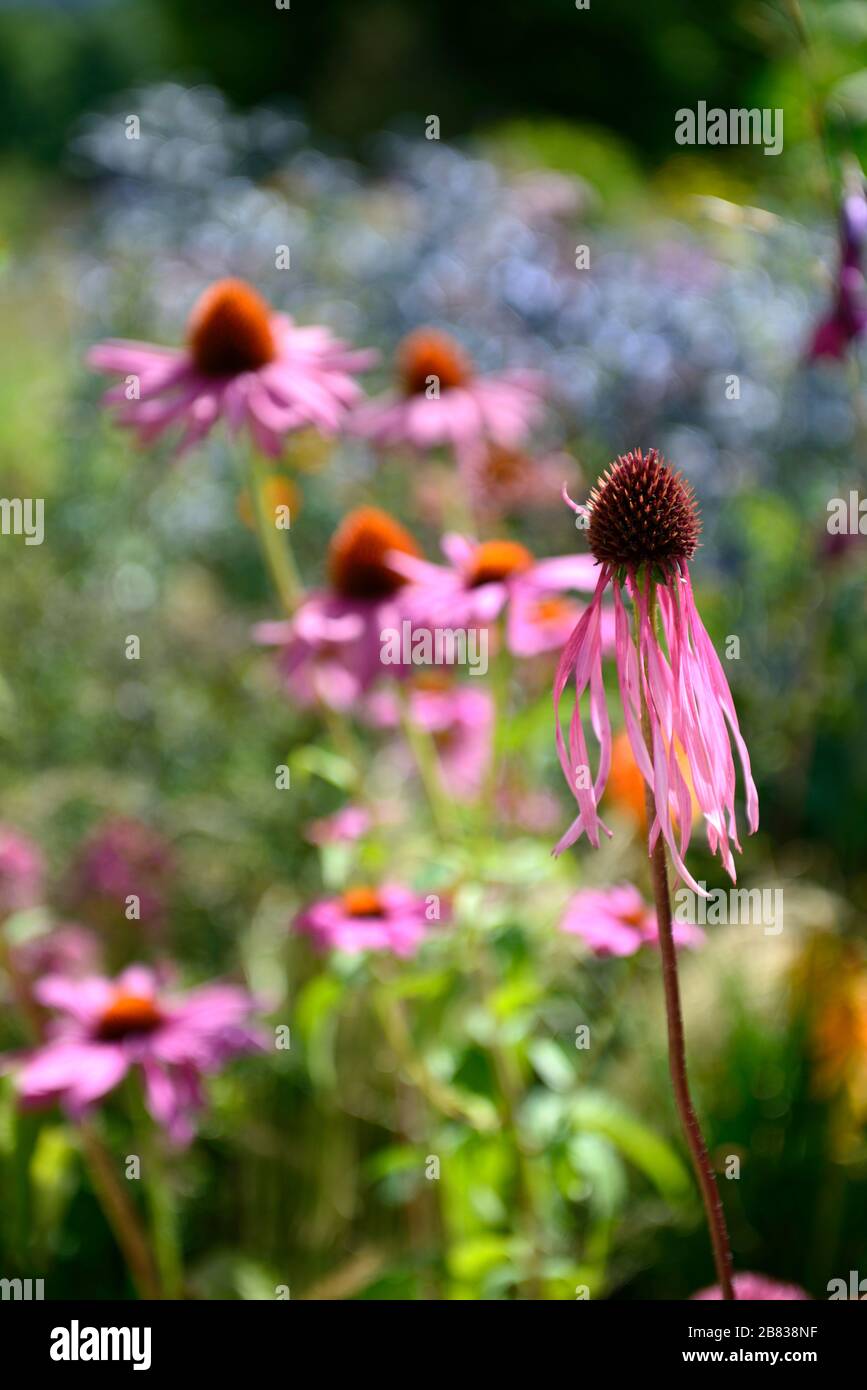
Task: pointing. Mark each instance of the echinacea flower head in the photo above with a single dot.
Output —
(643, 531)
(442, 401)
(483, 577)
(755, 1288)
(389, 918)
(102, 1029)
(21, 870)
(618, 922)
(330, 649)
(243, 363)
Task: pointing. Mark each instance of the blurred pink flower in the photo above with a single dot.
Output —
(330, 649)
(503, 481)
(643, 517)
(66, 950)
(617, 922)
(21, 870)
(348, 824)
(107, 1027)
(481, 579)
(528, 808)
(242, 363)
(541, 621)
(442, 401)
(755, 1288)
(123, 858)
(459, 718)
(389, 918)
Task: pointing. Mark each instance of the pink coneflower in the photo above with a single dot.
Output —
(243, 363)
(105, 1028)
(756, 1288)
(330, 650)
(65, 950)
(459, 719)
(388, 918)
(540, 621)
(502, 480)
(643, 531)
(618, 922)
(443, 401)
(481, 579)
(123, 858)
(21, 870)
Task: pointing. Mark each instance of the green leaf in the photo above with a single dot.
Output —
(311, 760)
(598, 1114)
(316, 1020)
(551, 1064)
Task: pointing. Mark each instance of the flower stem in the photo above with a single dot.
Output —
(274, 543)
(676, 1040)
(677, 1066)
(424, 752)
(120, 1214)
(442, 1097)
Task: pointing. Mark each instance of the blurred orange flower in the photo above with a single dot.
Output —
(278, 492)
(625, 788)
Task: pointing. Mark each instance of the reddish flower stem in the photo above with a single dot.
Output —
(120, 1214)
(676, 1040)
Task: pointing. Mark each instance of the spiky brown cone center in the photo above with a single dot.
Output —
(642, 512)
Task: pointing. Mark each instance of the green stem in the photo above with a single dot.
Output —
(120, 1214)
(424, 752)
(796, 14)
(439, 1094)
(274, 542)
(164, 1225)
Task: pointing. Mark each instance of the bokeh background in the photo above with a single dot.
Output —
(307, 128)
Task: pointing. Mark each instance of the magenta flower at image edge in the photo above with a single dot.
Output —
(642, 514)
(243, 363)
(388, 918)
(21, 871)
(618, 922)
(755, 1288)
(847, 319)
(105, 1028)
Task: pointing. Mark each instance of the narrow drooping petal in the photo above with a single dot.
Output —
(678, 710)
(583, 655)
